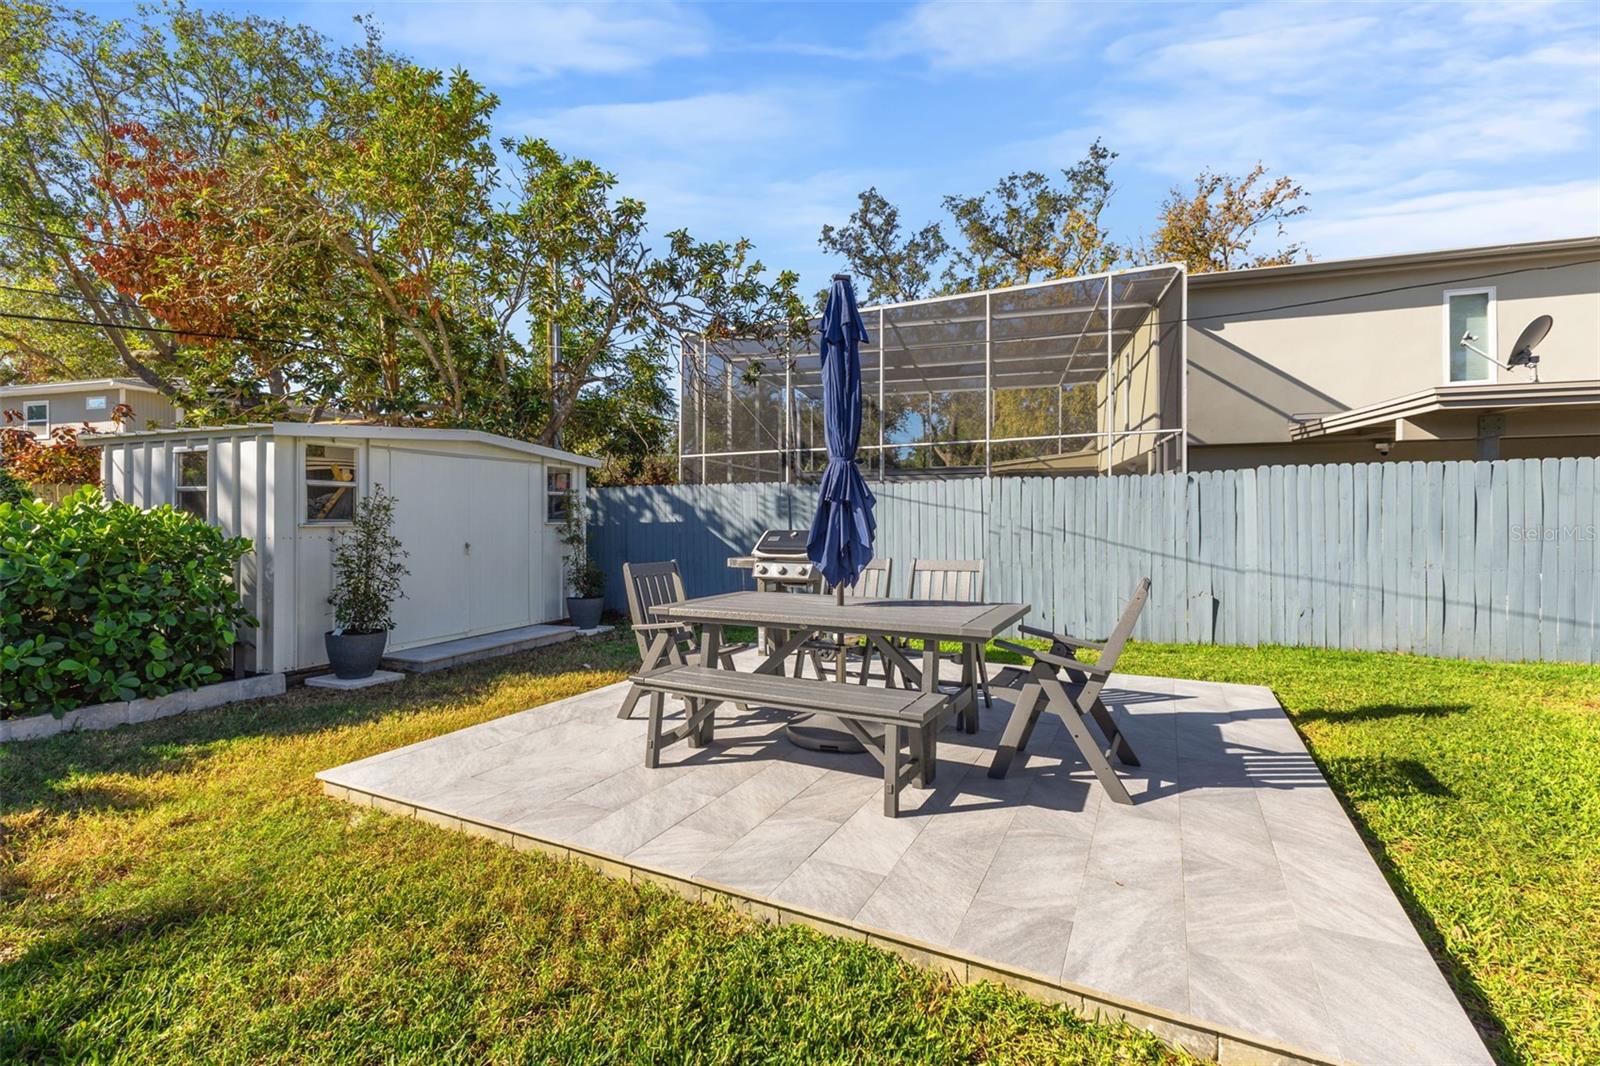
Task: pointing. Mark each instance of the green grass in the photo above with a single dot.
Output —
(181, 891)
(1477, 786)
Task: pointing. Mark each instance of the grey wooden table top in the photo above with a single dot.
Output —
(892, 617)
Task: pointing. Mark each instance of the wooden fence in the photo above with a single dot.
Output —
(1469, 560)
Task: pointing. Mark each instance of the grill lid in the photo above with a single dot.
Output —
(782, 544)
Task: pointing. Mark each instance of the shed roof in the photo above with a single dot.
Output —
(333, 430)
(75, 386)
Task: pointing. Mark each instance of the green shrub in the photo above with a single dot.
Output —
(12, 488)
(104, 601)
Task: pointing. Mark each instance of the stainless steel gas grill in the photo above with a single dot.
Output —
(778, 562)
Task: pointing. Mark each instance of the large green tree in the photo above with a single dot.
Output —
(1224, 223)
(895, 267)
(261, 223)
(1031, 227)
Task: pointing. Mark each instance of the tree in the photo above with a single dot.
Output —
(265, 226)
(1029, 228)
(895, 268)
(69, 82)
(1216, 228)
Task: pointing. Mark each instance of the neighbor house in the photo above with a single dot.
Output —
(1396, 357)
(1154, 369)
(480, 516)
(46, 406)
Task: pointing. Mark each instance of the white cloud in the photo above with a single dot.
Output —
(1456, 219)
(686, 126)
(984, 37)
(510, 43)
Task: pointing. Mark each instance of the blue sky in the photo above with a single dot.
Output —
(1413, 126)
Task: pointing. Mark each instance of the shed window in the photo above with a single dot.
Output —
(557, 484)
(190, 492)
(94, 403)
(1469, 335)
(36, 417)
(330, 483)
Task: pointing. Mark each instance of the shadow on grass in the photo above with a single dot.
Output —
(1353, 780)
(1379, 711)
(38, 774)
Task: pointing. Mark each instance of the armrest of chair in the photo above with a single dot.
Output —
(1062, 638)
(1063, 662)
(654, 627)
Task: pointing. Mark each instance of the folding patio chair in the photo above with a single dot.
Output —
(650, 587)
(1069, 688)
(873, 583)
(957, 580)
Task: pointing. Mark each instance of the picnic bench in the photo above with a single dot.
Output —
(906, 715)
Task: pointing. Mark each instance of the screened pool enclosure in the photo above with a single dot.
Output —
(1078, 376)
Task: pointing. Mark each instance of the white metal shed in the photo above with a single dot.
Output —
(479, 513)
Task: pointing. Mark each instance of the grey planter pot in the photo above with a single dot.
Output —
(585, 613)
(355, 655)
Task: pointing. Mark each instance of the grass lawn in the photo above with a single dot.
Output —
(181, 889)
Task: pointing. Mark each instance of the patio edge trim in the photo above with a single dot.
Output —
(1207, 1040)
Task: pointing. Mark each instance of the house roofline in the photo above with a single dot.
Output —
(336, 430)
(1378, 263)
(1494, 397)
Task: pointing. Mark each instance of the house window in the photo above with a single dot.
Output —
(1470, 353)
(36, 417)
(330, 483)
(190, 487)
(94, 403)
(557, 484)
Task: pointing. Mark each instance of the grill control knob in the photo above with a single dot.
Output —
(782, 570)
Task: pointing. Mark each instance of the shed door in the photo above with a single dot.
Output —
(500, 557)
(433, 508)
(466, 522)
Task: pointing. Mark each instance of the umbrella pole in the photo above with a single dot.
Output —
(838, 598)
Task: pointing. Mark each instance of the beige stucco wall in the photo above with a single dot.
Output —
(151, 410)
(1251, 371)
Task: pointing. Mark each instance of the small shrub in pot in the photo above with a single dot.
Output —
(367, 569)
(585, 577)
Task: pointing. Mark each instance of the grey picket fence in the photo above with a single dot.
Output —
(1493, 560)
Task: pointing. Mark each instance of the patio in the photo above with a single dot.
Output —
(1232, 909)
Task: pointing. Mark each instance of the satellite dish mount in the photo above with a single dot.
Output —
(1522, 352)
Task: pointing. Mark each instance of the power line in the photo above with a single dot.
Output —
(242, 339)
(19, 227)
(1387, 291)
(44, 292)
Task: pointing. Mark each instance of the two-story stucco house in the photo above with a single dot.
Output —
(47, 405)
(1396, 357)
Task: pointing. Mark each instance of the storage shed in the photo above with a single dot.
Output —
(480, 515)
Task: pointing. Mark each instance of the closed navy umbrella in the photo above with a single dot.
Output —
(843, 529)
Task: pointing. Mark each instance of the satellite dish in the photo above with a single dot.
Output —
(1522, 352)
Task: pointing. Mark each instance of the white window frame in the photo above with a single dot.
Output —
(101, 402)
(572, 483)
(354, 484)
(1493, 347)
(29, 423)
(179, 488)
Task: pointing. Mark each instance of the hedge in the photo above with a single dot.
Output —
(104, 601)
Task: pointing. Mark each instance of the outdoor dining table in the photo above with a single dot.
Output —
(881, 621)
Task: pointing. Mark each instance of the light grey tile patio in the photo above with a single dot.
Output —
(1235, 890)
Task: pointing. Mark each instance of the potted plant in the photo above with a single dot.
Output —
(585, 578)
(366, 583)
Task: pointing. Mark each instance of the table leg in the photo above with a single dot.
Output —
(710, 656)
(969, 684)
